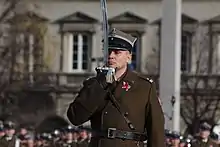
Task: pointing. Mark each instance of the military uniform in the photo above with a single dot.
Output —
(83, 143)
(206, 141)
(134, 93)
(5, 142)
(201, 143)
(9, 139)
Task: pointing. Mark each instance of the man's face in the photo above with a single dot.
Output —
(69, 136)
(175, 142)
(83, 134)
(204, 133)
(10, 132)
(118, 58)
(23, 131)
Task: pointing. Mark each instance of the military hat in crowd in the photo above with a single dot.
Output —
(172, 134)
(56, 133)
(168, 133)
(205, 126)
(120, 40)
(69, 129)
(175, 135)
(9, 125)
(185, 139)
(45, 136)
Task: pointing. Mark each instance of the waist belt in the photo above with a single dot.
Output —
(113, 133)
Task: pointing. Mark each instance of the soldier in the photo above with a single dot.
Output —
(69, 141)
(168, 135)
(38, 141)
(203, 139)
(122, 113)
(175, 139)
(83, 138)
(56, 138)
(9, 140)
(27, 140)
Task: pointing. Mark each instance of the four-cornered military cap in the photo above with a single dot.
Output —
(9, 125)
(175, 135)
(120, 40)
(205, 126)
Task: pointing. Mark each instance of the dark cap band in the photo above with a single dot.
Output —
(117, 43)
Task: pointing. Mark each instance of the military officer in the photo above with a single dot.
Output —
(122, 113)
(203, 139)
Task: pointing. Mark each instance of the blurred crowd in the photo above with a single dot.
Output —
(70, 136)
(11, 136)
(207, 136)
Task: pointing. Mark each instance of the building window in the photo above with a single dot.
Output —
(135, 63)
(186, 51)
(81, 48)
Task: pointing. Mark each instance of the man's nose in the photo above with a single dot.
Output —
(111, 53)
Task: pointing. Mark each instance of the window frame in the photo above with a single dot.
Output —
(188, 50)
(89, 51)
(138, 43)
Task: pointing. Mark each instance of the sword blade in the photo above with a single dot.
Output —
(105, 30)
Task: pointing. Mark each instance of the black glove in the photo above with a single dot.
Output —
(100, 77)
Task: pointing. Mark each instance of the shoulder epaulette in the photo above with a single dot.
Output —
(145, 78)
(88, 80)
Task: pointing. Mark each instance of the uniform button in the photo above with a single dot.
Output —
(126, 114)
(106, 112)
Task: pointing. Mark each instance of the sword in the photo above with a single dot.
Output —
(105, 29)
(108, 71)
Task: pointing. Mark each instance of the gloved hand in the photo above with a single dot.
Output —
(100, 77)
(105, 77)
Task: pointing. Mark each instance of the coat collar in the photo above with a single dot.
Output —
(129, 77)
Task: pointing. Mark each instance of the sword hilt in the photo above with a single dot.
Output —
(109, 73)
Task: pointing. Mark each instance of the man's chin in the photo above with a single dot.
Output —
(112, 66)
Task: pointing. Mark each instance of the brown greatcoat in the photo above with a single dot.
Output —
(139, 101)
(7, 143)
(199, 143)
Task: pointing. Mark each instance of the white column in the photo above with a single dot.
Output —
(80, 52)
(170, 60)
(218, 54)
(70, 53)
(67, 52)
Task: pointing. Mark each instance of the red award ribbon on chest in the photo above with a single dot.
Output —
(126, 86)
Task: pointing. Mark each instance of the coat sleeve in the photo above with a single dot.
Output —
(88, 100)
(154, 120)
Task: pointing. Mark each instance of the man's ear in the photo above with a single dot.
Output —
(129, 57)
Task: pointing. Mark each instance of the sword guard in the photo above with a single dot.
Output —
(109, 73)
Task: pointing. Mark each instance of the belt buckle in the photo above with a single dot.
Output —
(111, 133)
